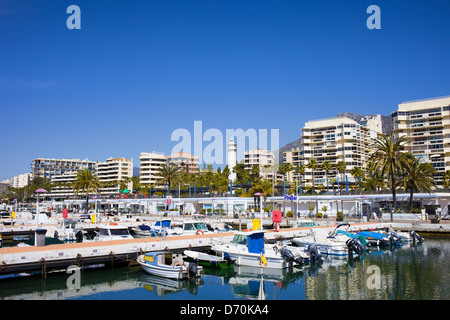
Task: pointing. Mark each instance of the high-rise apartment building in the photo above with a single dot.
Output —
(47, 168)
(335, 140)
(426, 126)
(264, 159)
(149, 165)
(185, 162)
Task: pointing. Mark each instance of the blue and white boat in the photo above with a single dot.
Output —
(248, 249)
(168, 265)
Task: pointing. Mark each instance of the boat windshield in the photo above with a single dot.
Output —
(195, 226)
(240, 239)
(119, 232)
(306, 224)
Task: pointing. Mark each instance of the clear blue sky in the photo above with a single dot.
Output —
(137, 70)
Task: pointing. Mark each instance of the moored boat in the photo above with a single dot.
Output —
(168, 265)
(248, 249)
(209, 260)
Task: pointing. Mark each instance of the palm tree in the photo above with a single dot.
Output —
(358, 174)
(86, 181)
(446, 179)
(300, 171)
(417, 176)
(312, 164)
(167, 175)
(327, 166)
(390, 160)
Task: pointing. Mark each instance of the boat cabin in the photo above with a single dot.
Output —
(253, 240)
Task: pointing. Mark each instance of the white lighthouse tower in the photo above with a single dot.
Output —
(231, 158)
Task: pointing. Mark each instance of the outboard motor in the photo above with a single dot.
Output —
(79, 236)
(395, 239)
(415, 236)
(354, 245)
(192, 269)
(289, 257)
(314, 254)
(228, 259)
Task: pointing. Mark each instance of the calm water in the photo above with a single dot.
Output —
(411, 272)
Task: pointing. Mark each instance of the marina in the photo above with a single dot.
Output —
(406, 273)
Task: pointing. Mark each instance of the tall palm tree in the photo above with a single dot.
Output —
(313, 165)
(300, 171)
(358, 174)
(327, 166)
(390, 159)
(417, 177)
(87, 182)
(167, 174)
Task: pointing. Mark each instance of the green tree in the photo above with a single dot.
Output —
(417, 177)
(358, 174)
(168, 174)
(327, 166)
(390, 159)
(87, 182)
(313, 165)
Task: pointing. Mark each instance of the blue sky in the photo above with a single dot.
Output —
(138, 70)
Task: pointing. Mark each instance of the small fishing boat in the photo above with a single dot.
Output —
(169, 265)
(209, 260)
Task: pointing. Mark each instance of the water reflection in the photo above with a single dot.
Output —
(410, 272)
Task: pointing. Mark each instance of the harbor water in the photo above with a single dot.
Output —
(411, 272)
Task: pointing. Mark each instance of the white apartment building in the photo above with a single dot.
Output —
(149, 165)
(263, 158)
(426, 126)
(114, 170)
(185, 161)
(334, 140)
(294, 157)
(22, 180)
(47, 168)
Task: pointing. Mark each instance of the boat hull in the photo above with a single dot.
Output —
(331, 249)
(177, 272)
(251, 259)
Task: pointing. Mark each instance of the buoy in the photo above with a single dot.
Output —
(199, 232)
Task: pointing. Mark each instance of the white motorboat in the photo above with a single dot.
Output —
(144, 230)
(248, 249)
(168, 265)
(112, 231)
(67, 231)
(328, 244)
(190, 227)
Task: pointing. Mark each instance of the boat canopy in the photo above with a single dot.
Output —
(144, 227)
(163, 223)
(255, 242)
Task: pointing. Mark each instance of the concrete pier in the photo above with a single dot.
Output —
(46, 258)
